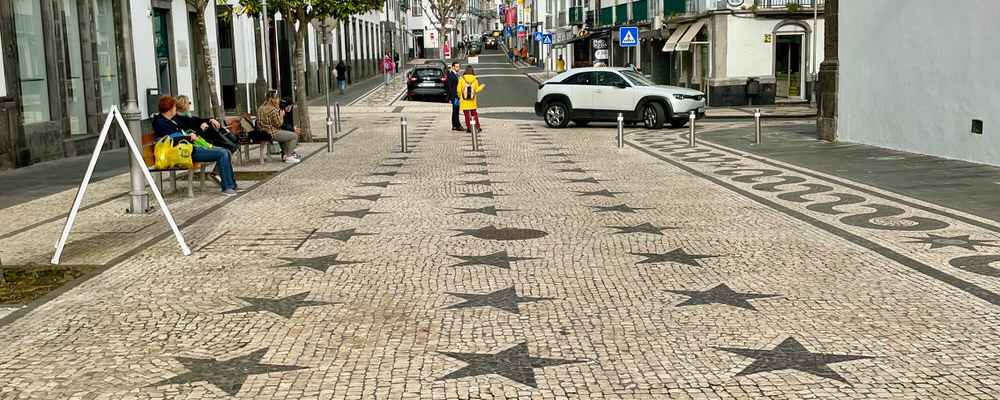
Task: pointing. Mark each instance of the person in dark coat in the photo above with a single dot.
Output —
(166, 123)
(341, 76)
(451, 85)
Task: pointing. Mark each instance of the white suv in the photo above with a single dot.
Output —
(600, 93)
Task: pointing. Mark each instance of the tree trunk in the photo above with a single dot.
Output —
(441, 40)
(302, 101)
(261, 84)
(201, 37)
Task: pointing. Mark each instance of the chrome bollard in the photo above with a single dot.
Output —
(692, 140)
(475, 137)
(621, 131)
(336, 113)
(402, 133)
(758, 136)
(329, 135)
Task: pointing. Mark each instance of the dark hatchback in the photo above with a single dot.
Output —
(426, 81)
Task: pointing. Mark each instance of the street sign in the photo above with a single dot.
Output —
(538, 36)
(547, 38)
(628, 36)
(506, 31)
(521, 28)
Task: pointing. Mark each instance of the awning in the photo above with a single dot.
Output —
(685, 43)
(675, 37)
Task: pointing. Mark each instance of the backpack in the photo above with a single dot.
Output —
(468, 93)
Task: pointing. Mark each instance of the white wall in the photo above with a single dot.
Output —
(746, 52)
(914, 74)
(144, 52)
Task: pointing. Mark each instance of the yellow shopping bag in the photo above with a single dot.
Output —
(164, 153)
(182, 155)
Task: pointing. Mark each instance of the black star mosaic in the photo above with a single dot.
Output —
(284, 307)
(499, 259)
(356, 214)
(370, 197)
(383, 185)
(562, 162)
(583, 180)
(601, 193)
(480, 172)
(342, 236)
(476, 164)
(503, 234)
(488, 210)
(483, 195)
(962, 241)
(790, 354)
(622, 208)
(486, 182)
(576, 170)
(675, 256)
(721, 294)
(514, 363)
(556, 155)
(503, 299)
(227, 375)
(392, 165)
(642, 228)
(321, 263)
(388, 173)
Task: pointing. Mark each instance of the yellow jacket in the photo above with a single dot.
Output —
(469, 80)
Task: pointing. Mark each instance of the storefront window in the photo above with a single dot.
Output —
(75, 101)
(31, 60)
(3, 74)
(107, 53)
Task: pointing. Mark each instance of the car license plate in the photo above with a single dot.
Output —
(426, 84)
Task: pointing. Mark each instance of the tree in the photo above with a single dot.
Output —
(205, 54)
(444, 11)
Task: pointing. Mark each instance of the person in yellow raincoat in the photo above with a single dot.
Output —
(468, 90)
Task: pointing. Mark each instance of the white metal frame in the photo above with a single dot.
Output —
(115, 115)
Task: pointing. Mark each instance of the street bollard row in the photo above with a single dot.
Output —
(758, 136)
(692, 139)
(621, 131)
(402, 133)
(475, 137)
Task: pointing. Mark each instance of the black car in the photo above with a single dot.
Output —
(426, 81)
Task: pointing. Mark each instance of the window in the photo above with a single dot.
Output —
(583, 78)
(609, 79)
(418, 8)
(31, 60)
(428, 73)
(107, 53)
(637, 79)
(77, 112)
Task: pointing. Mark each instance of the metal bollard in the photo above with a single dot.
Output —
(692, 140)
(621, 131)
(758, 137)
(402, 133)
(336, 112)
(475, 137)
(329, 135)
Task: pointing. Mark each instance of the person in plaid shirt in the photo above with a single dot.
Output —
(270, 118)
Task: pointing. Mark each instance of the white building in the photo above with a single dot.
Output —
(922, 86)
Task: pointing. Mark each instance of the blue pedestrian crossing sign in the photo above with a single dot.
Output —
(628, 36)
(538, 36)
(522, 28)
(547, 38)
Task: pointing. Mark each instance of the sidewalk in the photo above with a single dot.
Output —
(968, 187)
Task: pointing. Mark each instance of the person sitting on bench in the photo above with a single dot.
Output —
(165, 124)
(273, 117)
(209, 129)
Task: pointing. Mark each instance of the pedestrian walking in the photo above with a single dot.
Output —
(395, 60)
(341, 71)
(451, 85)
(560, 64)
(388, 68)
(468, 92)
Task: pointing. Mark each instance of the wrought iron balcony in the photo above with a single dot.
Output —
(789, 5)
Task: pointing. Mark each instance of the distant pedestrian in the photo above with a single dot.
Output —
(388, 68)
(451, 85)
(524, 54)
(395, 60)
(468, 92)
(560, 64)
(341, 71)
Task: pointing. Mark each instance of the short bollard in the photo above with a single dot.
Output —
(336, 113)
(692, 140)
(329, 135)
(402, 133)
(758, 136)
(621, 131)
(475, 137)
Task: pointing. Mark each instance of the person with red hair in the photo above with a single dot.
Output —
(165, 125)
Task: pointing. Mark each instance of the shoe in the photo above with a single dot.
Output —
(458, 128)
(229, 193)
(292, 160)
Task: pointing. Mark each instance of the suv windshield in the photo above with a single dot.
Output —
(637, 79)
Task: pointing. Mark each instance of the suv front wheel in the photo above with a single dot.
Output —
(556, 114)
(653, 116)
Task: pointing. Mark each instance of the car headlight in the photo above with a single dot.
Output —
(680, 96)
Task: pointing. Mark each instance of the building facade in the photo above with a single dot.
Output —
(924, 93)
(60, 71)
(716, 46)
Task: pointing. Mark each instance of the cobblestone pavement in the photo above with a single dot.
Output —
(549, 265)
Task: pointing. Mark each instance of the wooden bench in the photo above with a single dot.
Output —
(148, 144)
(234, 125)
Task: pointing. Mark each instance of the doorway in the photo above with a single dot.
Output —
(166, 80)
(788, 65)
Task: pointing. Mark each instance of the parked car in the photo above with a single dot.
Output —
(426, 81)
(491, 42)
(583, 95)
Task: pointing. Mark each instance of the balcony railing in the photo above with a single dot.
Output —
(790, 5)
